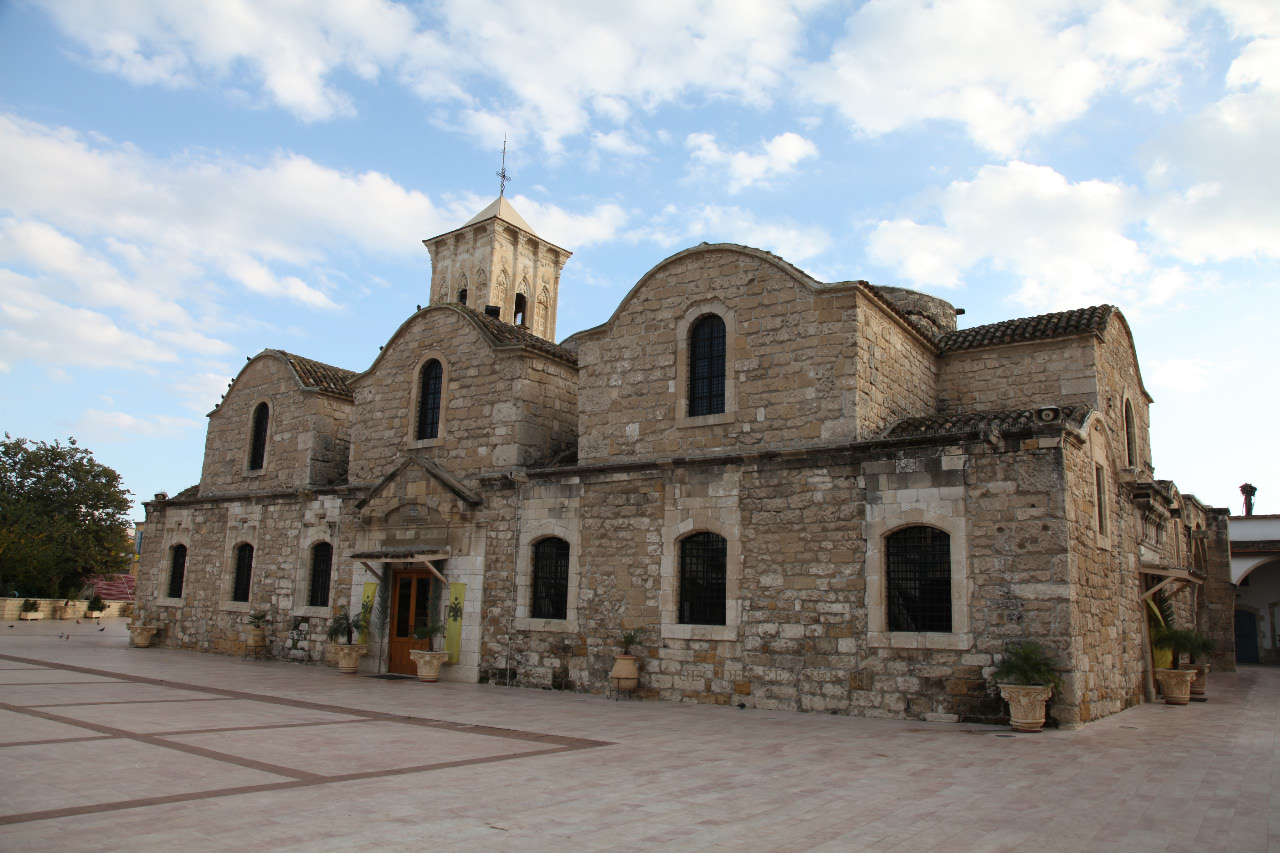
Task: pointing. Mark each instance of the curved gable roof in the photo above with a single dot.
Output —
(311, 375)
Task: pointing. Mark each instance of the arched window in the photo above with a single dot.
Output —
(244, 573)
(550, 579)
(918, 579)
(703, 573)
(462, 296)
(518, 315)
(258, 446)
(177, 570)
(706, 367)
(321, 568)
(1130, 436)
(430, 381)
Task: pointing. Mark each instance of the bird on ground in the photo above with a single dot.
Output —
(10, 626)
(77, 621)
(102, 629)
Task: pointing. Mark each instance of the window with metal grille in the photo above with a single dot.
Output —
(244, 573)
(429, 385)
(550, 579)
(177, 570)
(706, 366)
(258, 447)
(918, 579)
(702, 579)
(321, 567)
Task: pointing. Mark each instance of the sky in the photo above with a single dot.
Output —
(185, 184)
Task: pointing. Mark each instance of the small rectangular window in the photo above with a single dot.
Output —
(1100, 496)
(244, 573)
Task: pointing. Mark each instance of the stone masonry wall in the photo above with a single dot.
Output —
(1044, 373)
(897, 371)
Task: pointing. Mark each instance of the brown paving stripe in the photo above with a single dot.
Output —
(51, 683)
(121, 805)
(127, 702)
(55, 740)
(266, 726)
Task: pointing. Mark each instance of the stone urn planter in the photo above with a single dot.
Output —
(141, 635)
(625, 675)
(64, 611)
(30, 616)
(429, 663)
(1175, 684)
(257, 637)
(1026, 705)
(349, 656)
(1200, 681)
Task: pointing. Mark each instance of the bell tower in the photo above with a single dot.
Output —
(497, 260)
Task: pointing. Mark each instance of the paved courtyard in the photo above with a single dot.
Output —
(105, 747)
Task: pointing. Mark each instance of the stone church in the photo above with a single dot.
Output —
(818, 496)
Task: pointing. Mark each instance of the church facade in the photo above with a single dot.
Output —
(804, 495)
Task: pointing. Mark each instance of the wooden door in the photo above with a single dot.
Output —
(1246, 637)
(413, 605)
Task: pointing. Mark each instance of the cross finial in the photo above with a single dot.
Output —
(502, 173)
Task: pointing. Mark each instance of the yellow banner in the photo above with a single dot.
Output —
(366, 606)
(453, 620)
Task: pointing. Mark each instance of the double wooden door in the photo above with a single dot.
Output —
(413, 605)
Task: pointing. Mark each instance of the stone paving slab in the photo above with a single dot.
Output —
(267, 755)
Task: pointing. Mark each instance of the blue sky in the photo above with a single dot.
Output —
(185, 184)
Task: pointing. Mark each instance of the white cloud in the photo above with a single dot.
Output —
(1067, 243)
(716, 224)
(619, 144)
(1183, 377)
(100, 426)
(553, 223)
(1004, 70)
(779, 156)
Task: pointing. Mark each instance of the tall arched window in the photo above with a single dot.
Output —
(550, 579)
(258, 445)
(706, 366)
(703, 575)
(177, 570)
(321, 568)
(430, 381)
(1130, 435)
(918, 579)
(517, 316)
(244, 573)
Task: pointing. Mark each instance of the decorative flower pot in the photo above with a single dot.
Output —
(1200, 681)
(64, 611)
(625, 675)
(1026, 705)
(257, 637)
(1175, 684)
(30, 616)
(140, 635)
(349, 657)
(429, 663)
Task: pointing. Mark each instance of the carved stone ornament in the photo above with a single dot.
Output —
(1201, 680)
(140, 635)
(349, 657)
(1175, 684)
(429, 663)
(1026, 705)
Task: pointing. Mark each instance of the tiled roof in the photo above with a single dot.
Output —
(1254, 546)
(187, 493)
(1038, 328)
(1011, 420)
(321, 376)
(509, 334)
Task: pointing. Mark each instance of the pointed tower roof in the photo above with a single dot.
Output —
(502, 209)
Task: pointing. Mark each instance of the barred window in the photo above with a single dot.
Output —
(706, 366)
(321, 568)
(177, 570)
(550, 579)
(703, 573)
(244, 573)
(918, 579)
(258, 447)
(429, 386)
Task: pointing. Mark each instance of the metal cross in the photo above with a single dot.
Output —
(502, 173)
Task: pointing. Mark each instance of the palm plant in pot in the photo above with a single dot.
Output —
(427, 660)
(30, 610)
(625, 675)
(1175, 683)
(257, 629)
(1026, 676)
(344, 625)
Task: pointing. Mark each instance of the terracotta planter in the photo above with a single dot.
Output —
(1175, 684)
(625, 675)
(257, 637)
(1201, 681)
(1026, 705)
(429, 663)
(141, 635)
(31, 617)
(349, 657)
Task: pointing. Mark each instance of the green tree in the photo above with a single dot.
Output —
(63, 517)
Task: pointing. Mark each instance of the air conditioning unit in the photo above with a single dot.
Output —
(1048, 414)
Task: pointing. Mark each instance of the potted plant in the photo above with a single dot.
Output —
(94, 609)
(257, 629)
(1200, 647)
(30, 610)
(1026, 676)
(1175, 683)
(344, 625)
(625, 675)
(427, 660)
